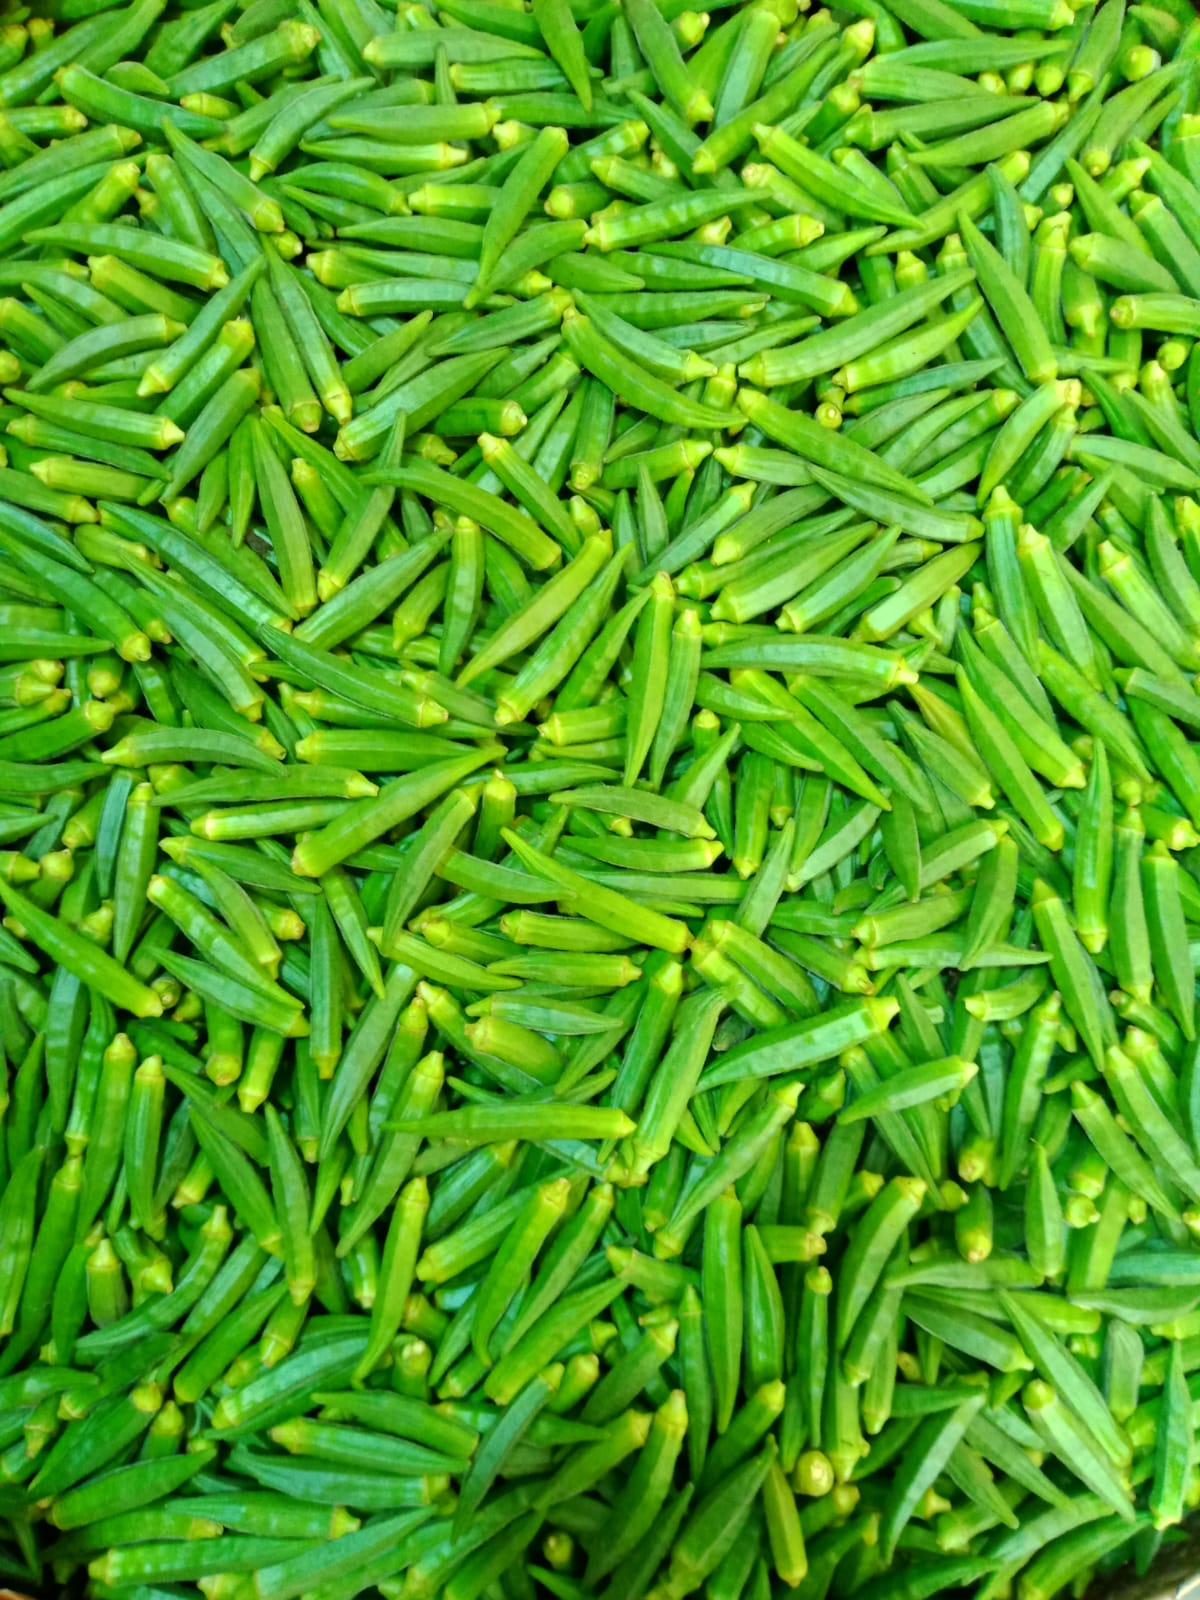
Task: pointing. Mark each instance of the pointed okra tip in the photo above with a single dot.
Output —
(1043, 894)
(912, 1189)
(1001, 504)
(1038, 1395)
(291, 1435)
(882, 1011)
(770, 1397)
(699, 108)
(619, 1258)
(1117, 1061)
(1083, 1098)
(622, 1126)
(789, 1095)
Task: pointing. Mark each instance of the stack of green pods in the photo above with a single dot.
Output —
(599, 798)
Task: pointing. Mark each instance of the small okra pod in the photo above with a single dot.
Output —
(1129, 938)
(676, 1078)
(927, 1454)
(722, 1302)
(1044, 1233)
(143, 1126)
(517, 195)
(874, 1241)
(18, 1206)
(1073, 971)
(712, 1529)
(290, 1192)
(1066, 1438)
(1172, 1443)
(1152, 1130)
(511, 1262)
(1118, 1149)
(1168, 934)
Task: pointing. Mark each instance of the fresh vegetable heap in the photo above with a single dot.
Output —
(599, 815)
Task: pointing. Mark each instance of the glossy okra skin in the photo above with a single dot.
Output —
(599, 808)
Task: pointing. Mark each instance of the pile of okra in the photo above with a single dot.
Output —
(599, 798)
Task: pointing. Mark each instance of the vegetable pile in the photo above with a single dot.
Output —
(599, 815)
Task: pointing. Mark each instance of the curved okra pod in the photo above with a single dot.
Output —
(635, 385)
